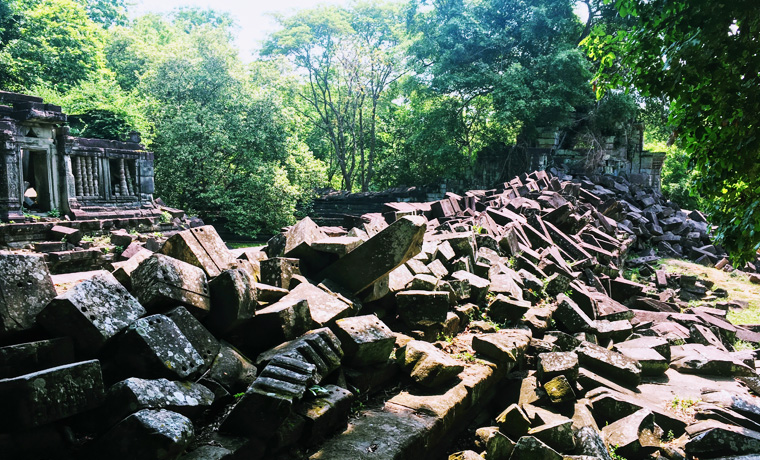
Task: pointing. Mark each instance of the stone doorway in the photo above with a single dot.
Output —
(36, 181)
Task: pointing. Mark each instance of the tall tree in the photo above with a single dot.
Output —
(704, 57)
(349, 56)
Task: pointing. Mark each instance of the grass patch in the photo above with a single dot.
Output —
(736, 284)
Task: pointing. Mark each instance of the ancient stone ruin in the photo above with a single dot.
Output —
(490, 325)
(45, 169)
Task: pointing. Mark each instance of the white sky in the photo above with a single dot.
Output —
(252, 16)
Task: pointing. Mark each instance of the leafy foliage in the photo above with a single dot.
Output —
(702, 56)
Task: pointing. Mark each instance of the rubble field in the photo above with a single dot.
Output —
(495, 325)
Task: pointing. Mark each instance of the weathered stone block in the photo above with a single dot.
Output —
(559, 390)
(712, 438)
(325, 414)
(147, 435)
(557, 435)
(134, 394)
(696, 358)
(636, 435)
(365, 340)
(123, 270)
(154, 347)
(478, 286)
(319, 347)
(267, 403)
(426, 364)
(552, 365)
(281, 321)
(25, 289)
(339, 245)
(496, 444)
(417, 307)
(324, 308)
(42, 397)
(201, 247)
(570, 315)
(278, 271)
(513, 422)
(530, 448)
(91, 313)
(25, 358)
(233, 301)
(505, 347)
(652, 363)
(70, 235)
(378, 256)
(609, 363)
(200, 338)
(232, 370)
(505, 310)
(161, 281)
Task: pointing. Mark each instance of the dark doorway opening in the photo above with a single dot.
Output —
(36, 181)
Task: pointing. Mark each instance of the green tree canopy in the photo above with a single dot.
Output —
(704, 57)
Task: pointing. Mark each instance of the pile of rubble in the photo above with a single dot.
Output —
(501, 309)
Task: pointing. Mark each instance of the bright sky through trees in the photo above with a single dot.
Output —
(254, 17)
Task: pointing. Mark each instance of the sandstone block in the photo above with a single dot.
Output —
(25, 289)
(161, 281)
(365, 340)
(201, 247)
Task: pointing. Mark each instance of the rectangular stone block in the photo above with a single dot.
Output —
(123, 270)
(25, 289)
(611, 364)
(201, 339)
(325, 414)
(278, 271)
(201, 247)
(91, 313)
(283, 320)
(378, 256)
(324, 308)
(365, 339)
(319, 347)
(418, 307)
(47, 396)
(233, 300)
(162, 282)
(154, 347)
(24, 358)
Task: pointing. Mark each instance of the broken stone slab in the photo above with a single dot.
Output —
(423, 283)
(506, 347)
(199, 337)
(478, 286)
(365, 340)
(694, 358)
(658, 344)
(712, 439)
(703, 335)
(233, 371)
(652, 363)
(268, 402)
(325, 414)
(154, 347)
(283, 320)
(297, 240)
(320, 348)
(557, 435)
(610, 405)
(531, 392)
(49, 395)
(339, 245)
(134, 394)
(513, 422)
(571, 316)
(25, 358)
(123, 270)
(201, 247)
(552, 365)
(590, 443)
(278, 271)
(91, 313)
(559, 390)
(324, 308)
(68, 234)
(495, 443)
(147, 434)
(615, 365)
(502, 309)
(636, 435)
(422, 307)
(161, 281)
(25, 289)
(233, 301)
(530, 448)
(378, 256)
(426, 364)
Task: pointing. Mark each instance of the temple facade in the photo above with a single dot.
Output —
(43, 168)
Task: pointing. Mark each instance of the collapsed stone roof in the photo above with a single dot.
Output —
(386, 340)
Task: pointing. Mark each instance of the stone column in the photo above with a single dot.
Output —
(10, 175)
